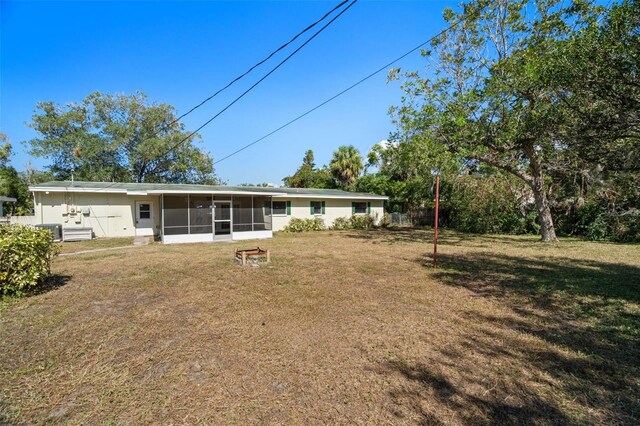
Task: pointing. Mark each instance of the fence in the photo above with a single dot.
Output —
(424, 216)
(399, 219)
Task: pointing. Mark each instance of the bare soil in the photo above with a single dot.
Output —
(341, 328)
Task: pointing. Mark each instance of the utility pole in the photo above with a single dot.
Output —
(435, 225)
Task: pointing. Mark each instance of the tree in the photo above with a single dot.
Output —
(485, 102)
(118, 138)
(12, 183)
(596, 76)
(346, 165)
(307, 176)
(5, 150)
(308, 159)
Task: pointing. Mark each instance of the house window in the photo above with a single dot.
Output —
(279, 208)
(360, 208)
(317, 207)
(145, 211)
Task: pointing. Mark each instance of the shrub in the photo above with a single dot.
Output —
(304, 225)
(353, 222)
(25, 257)
(362, 221)
(342, 223)
(386, 220)
(490, 204)
(595, 222)
(625, 227)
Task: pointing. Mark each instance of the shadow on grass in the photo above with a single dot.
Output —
(544, 278)
(590, 308)
(52, 282)
(499, 403)
(395, 235)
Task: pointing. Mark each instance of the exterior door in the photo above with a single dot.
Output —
(144, 218)
(222, 219)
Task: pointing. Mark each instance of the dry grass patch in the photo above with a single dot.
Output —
(96, 243)
(342, 327)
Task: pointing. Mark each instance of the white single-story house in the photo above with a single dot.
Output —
(179, 213)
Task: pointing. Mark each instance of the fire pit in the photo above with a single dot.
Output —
(252, 256)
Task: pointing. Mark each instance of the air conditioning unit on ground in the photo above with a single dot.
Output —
(77, 234)
(55, 228)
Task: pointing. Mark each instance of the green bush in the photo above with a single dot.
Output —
(353, 222)
(304, 225)
(386, 220)
(342, 223)
(25, 257)
(362, 221)
(597, 223)
(620, 227)
(490, 204)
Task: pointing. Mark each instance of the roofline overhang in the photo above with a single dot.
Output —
(143, 192)
(181, 191)
(337, 197)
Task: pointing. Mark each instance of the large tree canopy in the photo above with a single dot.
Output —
(596, 76)
(118, 138)
(494, 93)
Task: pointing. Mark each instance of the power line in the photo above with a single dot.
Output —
(259, 81)
(379, 70)
(255, 66)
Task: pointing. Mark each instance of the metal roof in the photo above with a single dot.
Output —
(173, 188)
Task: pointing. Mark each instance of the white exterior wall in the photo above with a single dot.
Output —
(24, 220)
(113, 215)
(334, 208)
(110, 215)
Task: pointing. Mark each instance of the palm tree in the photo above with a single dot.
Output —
(308, 159)
(346, 165)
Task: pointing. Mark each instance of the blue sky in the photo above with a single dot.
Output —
(181, 52)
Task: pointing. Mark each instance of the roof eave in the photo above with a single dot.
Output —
(211, 192)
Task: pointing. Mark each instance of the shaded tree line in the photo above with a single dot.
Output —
(530, 111)
(538, 99)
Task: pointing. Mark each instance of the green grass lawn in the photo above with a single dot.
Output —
(341, 327)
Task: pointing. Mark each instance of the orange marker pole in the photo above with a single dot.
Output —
(435, 225)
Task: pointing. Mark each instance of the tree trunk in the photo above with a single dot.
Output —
(547, 230)
(536, 181)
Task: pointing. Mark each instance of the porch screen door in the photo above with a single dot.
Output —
(222, 218)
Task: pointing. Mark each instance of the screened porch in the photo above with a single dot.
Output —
(206, 217)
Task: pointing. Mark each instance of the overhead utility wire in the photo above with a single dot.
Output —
(379, 70)
(261, 79)
(255, 66)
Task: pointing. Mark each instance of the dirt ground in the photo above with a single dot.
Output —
(341, 328)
